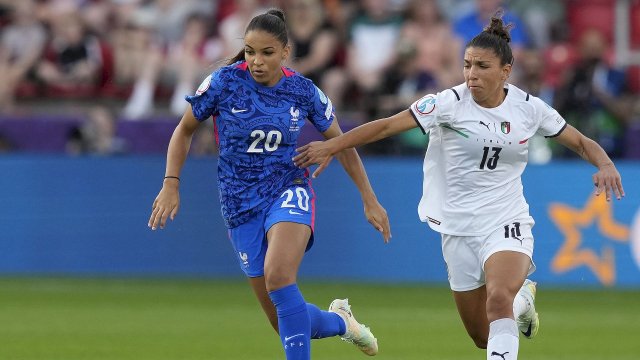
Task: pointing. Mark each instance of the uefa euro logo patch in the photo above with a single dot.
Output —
(426, 105)
(204, 86)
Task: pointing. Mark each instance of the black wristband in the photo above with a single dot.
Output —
(172, 177)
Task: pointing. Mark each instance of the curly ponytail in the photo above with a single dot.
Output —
(495, 36)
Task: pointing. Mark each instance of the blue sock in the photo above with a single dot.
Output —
(324, 323)
(293, 322)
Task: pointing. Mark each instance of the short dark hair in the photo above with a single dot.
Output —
(273, 22)
(495, 36)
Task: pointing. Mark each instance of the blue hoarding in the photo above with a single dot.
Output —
(87, 216)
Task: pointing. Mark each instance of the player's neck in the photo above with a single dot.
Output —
(495, 101)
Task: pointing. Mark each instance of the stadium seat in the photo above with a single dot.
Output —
(588, 14)
(633, 78)
(557, 59)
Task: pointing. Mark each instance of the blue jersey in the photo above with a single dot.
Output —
(257, 129)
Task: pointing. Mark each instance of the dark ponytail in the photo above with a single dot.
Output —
(273, 22)
(495, 36)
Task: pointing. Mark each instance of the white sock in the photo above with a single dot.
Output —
(503, 340)
(141, 100)
(520, 305)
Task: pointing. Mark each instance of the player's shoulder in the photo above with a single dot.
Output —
(444, 99)
(297, 84)
(296, 78)
(518, 95)
(527, 100)
(456, 94)
(231, 71)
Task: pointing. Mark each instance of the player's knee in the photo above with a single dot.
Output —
(278, 278)
(499, 304)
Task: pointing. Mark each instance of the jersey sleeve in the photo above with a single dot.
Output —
(551, 123)
(322, 112)
(432, 110)
(205, 101)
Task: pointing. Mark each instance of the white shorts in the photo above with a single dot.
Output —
(465, 255)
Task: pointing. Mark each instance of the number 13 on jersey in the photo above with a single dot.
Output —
(491, 161)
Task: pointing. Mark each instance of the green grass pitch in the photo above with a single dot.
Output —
(107, 319)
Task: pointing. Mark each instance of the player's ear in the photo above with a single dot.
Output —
(285, 52)
(506, 71)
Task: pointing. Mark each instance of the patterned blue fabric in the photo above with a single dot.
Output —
(257, 128)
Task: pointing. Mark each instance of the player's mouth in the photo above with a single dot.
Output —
(258, 72)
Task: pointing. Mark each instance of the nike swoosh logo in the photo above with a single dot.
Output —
(235, 111)
(291, 337)
(295, 212)
(528, 332)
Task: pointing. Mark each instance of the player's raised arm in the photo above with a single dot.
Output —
(374, 212)
(607, 179)
(318, 152)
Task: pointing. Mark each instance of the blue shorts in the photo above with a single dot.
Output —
(296, 204)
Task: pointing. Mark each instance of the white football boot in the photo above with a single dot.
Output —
(356, 333)
(529, 322)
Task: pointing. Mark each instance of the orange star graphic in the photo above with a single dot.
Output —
(570, 220)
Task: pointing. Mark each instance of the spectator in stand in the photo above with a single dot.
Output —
(586, 97)
(467, 26)
(339, 14)
(234, 24)
(424, 64)
(183, 63)
(532, 81)
(435, 58)
(98, 15)
(539, 17)
(5, 145)
(371, 51)
(131, 36)
(314, 41)
(72, 59)
(21, 45)
(96, 135)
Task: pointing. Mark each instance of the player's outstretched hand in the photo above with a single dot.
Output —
(316, 152)
(165, 206)
(608, 180)
(377, 217)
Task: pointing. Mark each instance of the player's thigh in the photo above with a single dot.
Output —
(287, 244)
(507, 257)
(464, 264)
(289, 220)
(505, 271)
(250, 245)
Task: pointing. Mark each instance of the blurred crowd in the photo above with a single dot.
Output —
(133, 60)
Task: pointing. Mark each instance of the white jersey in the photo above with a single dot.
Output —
(476, 156)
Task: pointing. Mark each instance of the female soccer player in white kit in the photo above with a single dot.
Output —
(472, 194)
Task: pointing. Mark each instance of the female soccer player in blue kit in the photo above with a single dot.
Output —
(259, 108)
